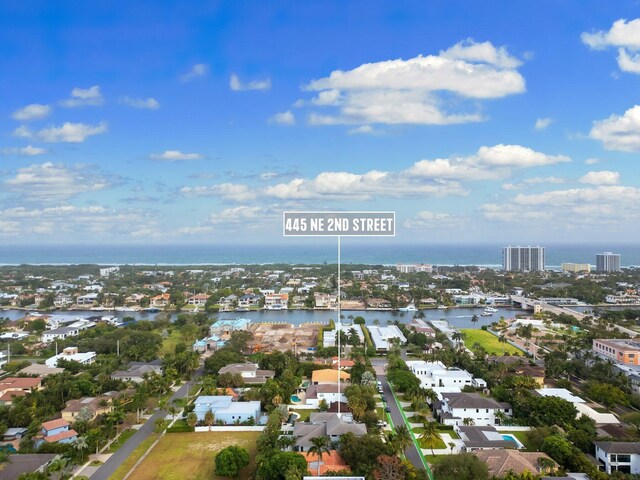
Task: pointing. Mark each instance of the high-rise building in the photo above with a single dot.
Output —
(607, 262)
(576, 267)
(523, 259)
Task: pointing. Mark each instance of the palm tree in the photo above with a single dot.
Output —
(192, 419)
(81, 445)
(474, 319)
(320, 446)
(468, 422)
(502, 339)
(430, 436)
(209, 419)
(403, 437)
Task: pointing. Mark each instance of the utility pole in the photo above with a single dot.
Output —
(118, 347)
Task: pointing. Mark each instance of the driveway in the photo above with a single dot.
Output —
(111, 465)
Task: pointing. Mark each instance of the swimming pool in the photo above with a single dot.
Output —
(295, 399)
(512, 438)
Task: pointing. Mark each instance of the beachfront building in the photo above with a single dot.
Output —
(607, 262)
(437, 375)
(523, 259)
(625, 351)
(384, 337)
(225, 410)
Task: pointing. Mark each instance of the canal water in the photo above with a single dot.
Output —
(458, 317)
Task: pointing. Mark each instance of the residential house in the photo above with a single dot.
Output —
(276, 301)
(249, 300)
(454, 408)
(331, 461)
(87, 408)
(330, 337)
(199, 300)
(71, 330)
(484, 438)
(580, 404)
(40, 370)
(223, 328)
(56, 431)
(328, 376)
(249, 372)
(325, 300)
(136, 371)
(436, 374)
(12, 387)
(622, 457)
(88, 299)
(225, 410)
(329, 392)
(324, 424)
(418, 325)
(160, 301)
(72, 353)
(501, 462)
(384, 337)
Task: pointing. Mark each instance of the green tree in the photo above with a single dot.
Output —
(320, 446)
(461, 466)
(231, 460)
(209, 419)
(192, 419)
(403, 437)
(430, 436)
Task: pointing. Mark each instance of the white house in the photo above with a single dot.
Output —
(87, 299)
(71, 353)
(225, 410)
(618, 456)
(436, 374)
(383, 337)
(199, 300)
(249, 372)
(329, 338)
(327, 392)
(481, 411)
(276, 301)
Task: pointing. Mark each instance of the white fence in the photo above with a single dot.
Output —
(230, 429)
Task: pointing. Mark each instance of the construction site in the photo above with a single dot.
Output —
(271, 337)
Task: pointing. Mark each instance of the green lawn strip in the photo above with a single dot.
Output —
(451, 433)
(415, 441)
(523, 436)
(304, 413)
(169, 343)
(438, 445)
(435, 459)
(489, 341)
(124, 436)
(133, 458)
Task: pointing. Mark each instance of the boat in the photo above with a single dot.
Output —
(242, 309)
(490, 309)
(486, 314)
(442, 307)
(408, 308)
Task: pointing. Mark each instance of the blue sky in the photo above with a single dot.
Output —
(201, 122)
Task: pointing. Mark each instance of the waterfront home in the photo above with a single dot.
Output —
(276, 301)
(225, 410)
(330, 337)
(384, 337)
(88, 299)
(223, 328)
(71, 330)
(325, 300)
(249, 300)
(199, 300)
(160, 301)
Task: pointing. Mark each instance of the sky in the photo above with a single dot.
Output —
(201, 122)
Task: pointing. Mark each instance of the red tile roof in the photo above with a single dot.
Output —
(53, 424)
(61, 436)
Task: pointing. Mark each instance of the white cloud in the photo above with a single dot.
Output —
(428, 219)
(68, 132)
(194, 230)
(54, 182)
(35, 111)
(227, 191)
(410, 91)
(76, 221)
(603, 177)
(236, 85)
(83, 97)
(241, 214)
(175, 156)
(283, 118)
(488, 163)
(623, 35)
(362, 130)
(619, 132)
(542, 123)
(268, 175)
(197, 71)
(592, 161)
(27, 151)
(22, 132)
(147, 103)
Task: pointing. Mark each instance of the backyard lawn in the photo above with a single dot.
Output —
(489, 341)
(191, 455)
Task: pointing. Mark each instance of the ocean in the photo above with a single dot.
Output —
(353, 251)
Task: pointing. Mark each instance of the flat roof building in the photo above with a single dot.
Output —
(607, 262)
(523, 259)
(622, 350)
(383, 337)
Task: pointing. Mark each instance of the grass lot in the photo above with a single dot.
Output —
(523, 436)
(169, 343)
(133, 458)
(124, 436)
(191, 455)
(489, 341)
(304, 413)
(418, 431)
(440, 444)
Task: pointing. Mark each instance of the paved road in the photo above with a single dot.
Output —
(411, 453)
(111, 465)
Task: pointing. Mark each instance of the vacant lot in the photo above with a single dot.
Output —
(489, 341)
(190, 456)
